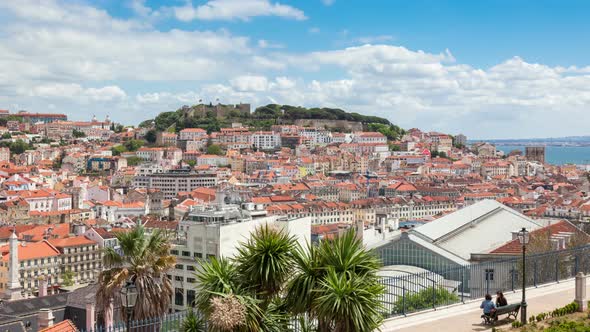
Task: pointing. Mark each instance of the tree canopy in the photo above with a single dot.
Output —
(262, 118)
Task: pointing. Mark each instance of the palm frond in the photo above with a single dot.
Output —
(265, 260)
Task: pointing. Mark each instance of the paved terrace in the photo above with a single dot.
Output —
(466, 317)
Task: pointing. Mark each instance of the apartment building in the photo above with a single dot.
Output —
(319, 213)
(192, 134)
(369, 137)
(79, 255)
(45, 200)
(33, 261)
(174, 181)
(216, 231)
(266, 140)
(4, 154)
(166, 139)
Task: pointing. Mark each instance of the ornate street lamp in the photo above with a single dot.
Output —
(523, 238)
(128, 299)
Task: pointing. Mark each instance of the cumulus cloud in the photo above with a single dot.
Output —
(236, 10)
(249, 83)
(81, 60)
(76, 91)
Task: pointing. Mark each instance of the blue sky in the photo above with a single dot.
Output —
(489, 69)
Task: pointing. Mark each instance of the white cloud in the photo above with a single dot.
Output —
(249, 83)
(314, 30)
(328, 2)
(81, 61)
(236, 10)
(76, 91)
(263, 43)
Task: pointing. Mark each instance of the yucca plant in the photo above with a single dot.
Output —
(192, 323)
(145, 260)
(336, 283)
(229, 305)
(272, 280)
(265, 260)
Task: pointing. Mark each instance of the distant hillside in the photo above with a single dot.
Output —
(214, 117)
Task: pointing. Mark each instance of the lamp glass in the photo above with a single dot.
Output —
(523, 237)
(129, 295)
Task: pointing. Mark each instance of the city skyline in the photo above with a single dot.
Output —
(494, 70)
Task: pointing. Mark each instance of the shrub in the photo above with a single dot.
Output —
(426, 298)
(516, 324)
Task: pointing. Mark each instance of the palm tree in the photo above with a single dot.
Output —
(144, 260)
(336, 283)
(265, 260)
(248, 286)
(274, 280)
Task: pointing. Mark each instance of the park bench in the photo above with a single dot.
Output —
(510, 310)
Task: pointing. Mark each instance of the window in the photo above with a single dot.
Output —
(197, 255)
(190, 268)
(174, 252)
(178, 278)
(489, 274)
(190, 280)
(179, 296)
(186, 254)
(190, 297)
(179, 267)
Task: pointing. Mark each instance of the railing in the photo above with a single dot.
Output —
(168, 323)
(430, 290)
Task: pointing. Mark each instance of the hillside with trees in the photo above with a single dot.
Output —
(264, 117)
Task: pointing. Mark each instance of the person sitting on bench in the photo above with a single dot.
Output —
(500, 299)
(488, 306)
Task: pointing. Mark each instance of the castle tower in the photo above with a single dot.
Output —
(13, 288)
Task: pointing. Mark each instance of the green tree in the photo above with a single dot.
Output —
(151, 136)
(19, 146)
(426, 298)
(191, 163)
(273, 280)
(133, 144)
(394, 147)
(214, 149)
(6, 136)
(134, 161)
(68, 278)
(337, 283)
(146, 123)
(118, 149)
(78, 134)
(145, 260)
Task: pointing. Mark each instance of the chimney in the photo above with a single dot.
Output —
(45, 318)
(90, 316)
(42, 286)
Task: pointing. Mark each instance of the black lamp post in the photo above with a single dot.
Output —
(128, 300)
(523, 238)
